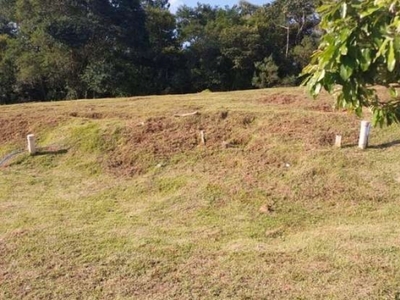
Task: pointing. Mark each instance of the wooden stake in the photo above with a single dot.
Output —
(364, 134)
(338, 141)
(188, 114)
(202, 137)
(31, 144)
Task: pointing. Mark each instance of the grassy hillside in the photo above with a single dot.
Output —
(123, 201)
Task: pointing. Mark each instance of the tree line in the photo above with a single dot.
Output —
(71, 49)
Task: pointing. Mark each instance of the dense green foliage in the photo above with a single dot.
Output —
(360, 50)
(69, 49)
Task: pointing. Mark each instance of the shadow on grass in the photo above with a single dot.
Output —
(385, 145)
(350, 146)
(45, 151)
(40, 151)
(380, 146)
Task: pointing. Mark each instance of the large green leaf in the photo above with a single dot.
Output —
(391, 60)
(346, 67)
(365, 59)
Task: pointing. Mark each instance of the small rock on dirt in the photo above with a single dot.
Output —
(266, 209)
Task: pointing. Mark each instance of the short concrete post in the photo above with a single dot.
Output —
(338, 141)
(364, 134)
(31, 144)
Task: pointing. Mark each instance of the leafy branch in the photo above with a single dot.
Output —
(360, 49)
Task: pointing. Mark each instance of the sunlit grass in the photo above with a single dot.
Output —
(132, 210)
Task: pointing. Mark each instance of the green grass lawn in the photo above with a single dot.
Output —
(124, 202)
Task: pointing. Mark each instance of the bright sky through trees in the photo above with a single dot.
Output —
(176, 3)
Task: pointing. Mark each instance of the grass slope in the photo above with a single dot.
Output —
(123, 201)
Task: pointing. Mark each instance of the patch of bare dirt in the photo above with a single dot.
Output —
(323, 104)
(163, 137)
(96, 115)
(282, 99)
(312, 132)
(15, 128)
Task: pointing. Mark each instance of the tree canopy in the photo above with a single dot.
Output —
(69, 49)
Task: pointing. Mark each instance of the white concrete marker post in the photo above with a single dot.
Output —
(31, 144)
(338, 141)
(364, 134)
